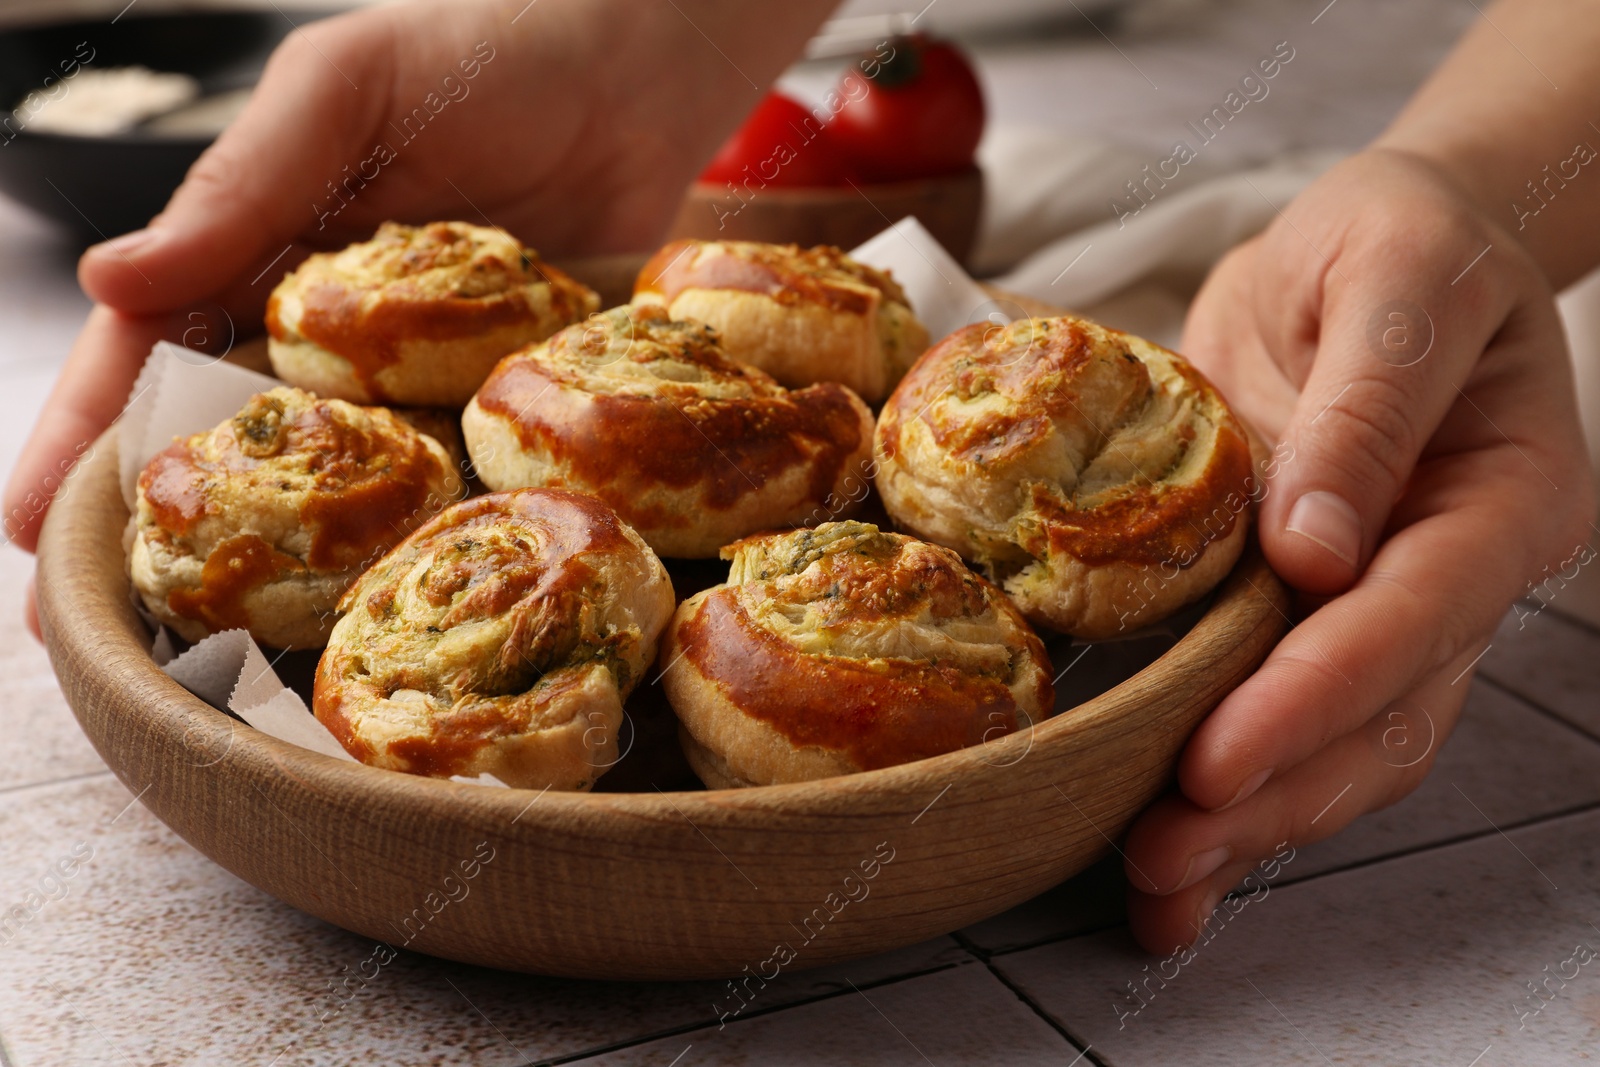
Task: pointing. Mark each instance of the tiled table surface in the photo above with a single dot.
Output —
(1411, 938)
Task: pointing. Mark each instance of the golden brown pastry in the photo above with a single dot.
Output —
(692, 449)
(803, 315)
(417, 315)
(263, 522)
(1100, 478)
(844, 649)
(500, 638)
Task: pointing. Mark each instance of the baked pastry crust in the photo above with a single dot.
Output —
(500, 638)
(417, 315)
(845, 649)
(693, 449)
(803, 315)
(263, 522)
(1100, 478)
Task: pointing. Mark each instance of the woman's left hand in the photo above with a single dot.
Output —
(1404, 355)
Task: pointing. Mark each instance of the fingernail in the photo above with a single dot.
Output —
(1330, 521)
(1251, 784)
(132, 241)
(1203, 865)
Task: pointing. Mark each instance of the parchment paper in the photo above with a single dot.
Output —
(940, 291)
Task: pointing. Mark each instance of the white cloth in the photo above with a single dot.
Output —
(1049, 224)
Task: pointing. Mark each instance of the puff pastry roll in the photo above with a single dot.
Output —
(263, 522)
(1098, 477)
(500, 638)
(803, 315)
(693, 449)
(418, 315)
(846, 649)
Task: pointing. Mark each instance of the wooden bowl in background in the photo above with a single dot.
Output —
(625, 885)
(948, 206)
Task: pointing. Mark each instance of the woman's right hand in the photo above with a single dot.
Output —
(574, 124)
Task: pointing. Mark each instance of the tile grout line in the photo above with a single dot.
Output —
(1448, 842)
(1048, 939)
(1582, 625)
(985, 957)
(634, 1042)
(1082, 1047)
(973, 949)
(1535, 705)
(23, 786)
(1564, 813)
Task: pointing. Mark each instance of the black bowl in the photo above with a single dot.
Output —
(102, 186)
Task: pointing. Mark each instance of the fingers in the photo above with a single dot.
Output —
(255, 189)
(1181, 860)
(1481, 515)
(90, 393)
(1220, 338)
(1500, 492)
(1395, 340)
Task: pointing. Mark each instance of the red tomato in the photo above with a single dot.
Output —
(781, 144)
(913, 109)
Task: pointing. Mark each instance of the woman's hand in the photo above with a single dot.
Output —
(1404, 355)
(575, 124)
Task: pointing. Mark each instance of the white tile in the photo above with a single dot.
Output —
(43, 741)
(153, 954)
(1550, 660)
(1583, 606)
(963, 1015)
(1420, 960)
(41, 305)
(1513, 762)
(23, 389)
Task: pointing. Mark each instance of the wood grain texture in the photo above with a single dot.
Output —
(948, 206)
(626, 885)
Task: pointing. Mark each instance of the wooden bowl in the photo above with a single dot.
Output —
(625, 885)
(948, 206)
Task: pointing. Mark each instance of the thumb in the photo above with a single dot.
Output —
(254, 190)
(1384, 376)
